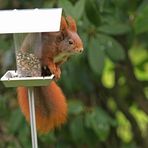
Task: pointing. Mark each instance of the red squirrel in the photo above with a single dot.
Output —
(50, 102)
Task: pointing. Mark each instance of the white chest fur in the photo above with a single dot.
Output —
(62, 57)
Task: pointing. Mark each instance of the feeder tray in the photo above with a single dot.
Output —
(11, 79)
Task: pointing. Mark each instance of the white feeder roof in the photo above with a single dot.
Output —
(30, 20)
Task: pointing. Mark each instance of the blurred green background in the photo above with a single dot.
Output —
(106, 87)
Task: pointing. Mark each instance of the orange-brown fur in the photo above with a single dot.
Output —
(66, 41)
(50, 103)
(50, 106)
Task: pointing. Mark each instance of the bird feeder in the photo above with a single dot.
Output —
(27, 27)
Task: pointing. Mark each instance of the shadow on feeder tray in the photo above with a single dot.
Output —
(45, 71)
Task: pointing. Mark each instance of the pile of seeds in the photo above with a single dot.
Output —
(28, 65)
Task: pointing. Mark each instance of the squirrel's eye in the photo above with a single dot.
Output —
(70, 41)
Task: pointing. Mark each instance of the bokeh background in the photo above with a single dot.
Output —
(106, 86)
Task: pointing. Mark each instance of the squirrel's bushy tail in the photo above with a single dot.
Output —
(50, 106)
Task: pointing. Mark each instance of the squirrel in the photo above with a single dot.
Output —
(50, 101)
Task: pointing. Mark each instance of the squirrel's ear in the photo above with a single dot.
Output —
(71, 23)
(63, 24)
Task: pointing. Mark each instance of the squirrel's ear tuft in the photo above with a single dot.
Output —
(63, 24)
(71, 23)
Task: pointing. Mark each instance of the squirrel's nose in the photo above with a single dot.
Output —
(81, 50)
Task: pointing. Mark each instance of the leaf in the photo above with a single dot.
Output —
(75, 11)
(79, 9)
(8, 59)
(15, 124)
(4, 43)
(77, 129)
(141, 21)
(108, 77)
(92, 12)
(99, 121)
(67, 6)
(111, 47)
(24, 132)
(75, 107)
(96, 56)
(50, 137)
(115, 28)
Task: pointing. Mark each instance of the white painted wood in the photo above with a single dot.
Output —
(30, 20)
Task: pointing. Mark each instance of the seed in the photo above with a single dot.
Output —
(28, 65)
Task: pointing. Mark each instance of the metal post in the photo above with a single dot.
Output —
(32, 117)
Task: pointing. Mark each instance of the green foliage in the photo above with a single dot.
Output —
(124, 130)
(100, 47)
(96, 56)
(141, 21)
(75, 107)
(77, 129)
(106, 86)
(100, 122)
(92, 12)
(72, 9)
(114, 28)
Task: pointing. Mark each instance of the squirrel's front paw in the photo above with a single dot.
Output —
(55, 70)
(57, 73)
